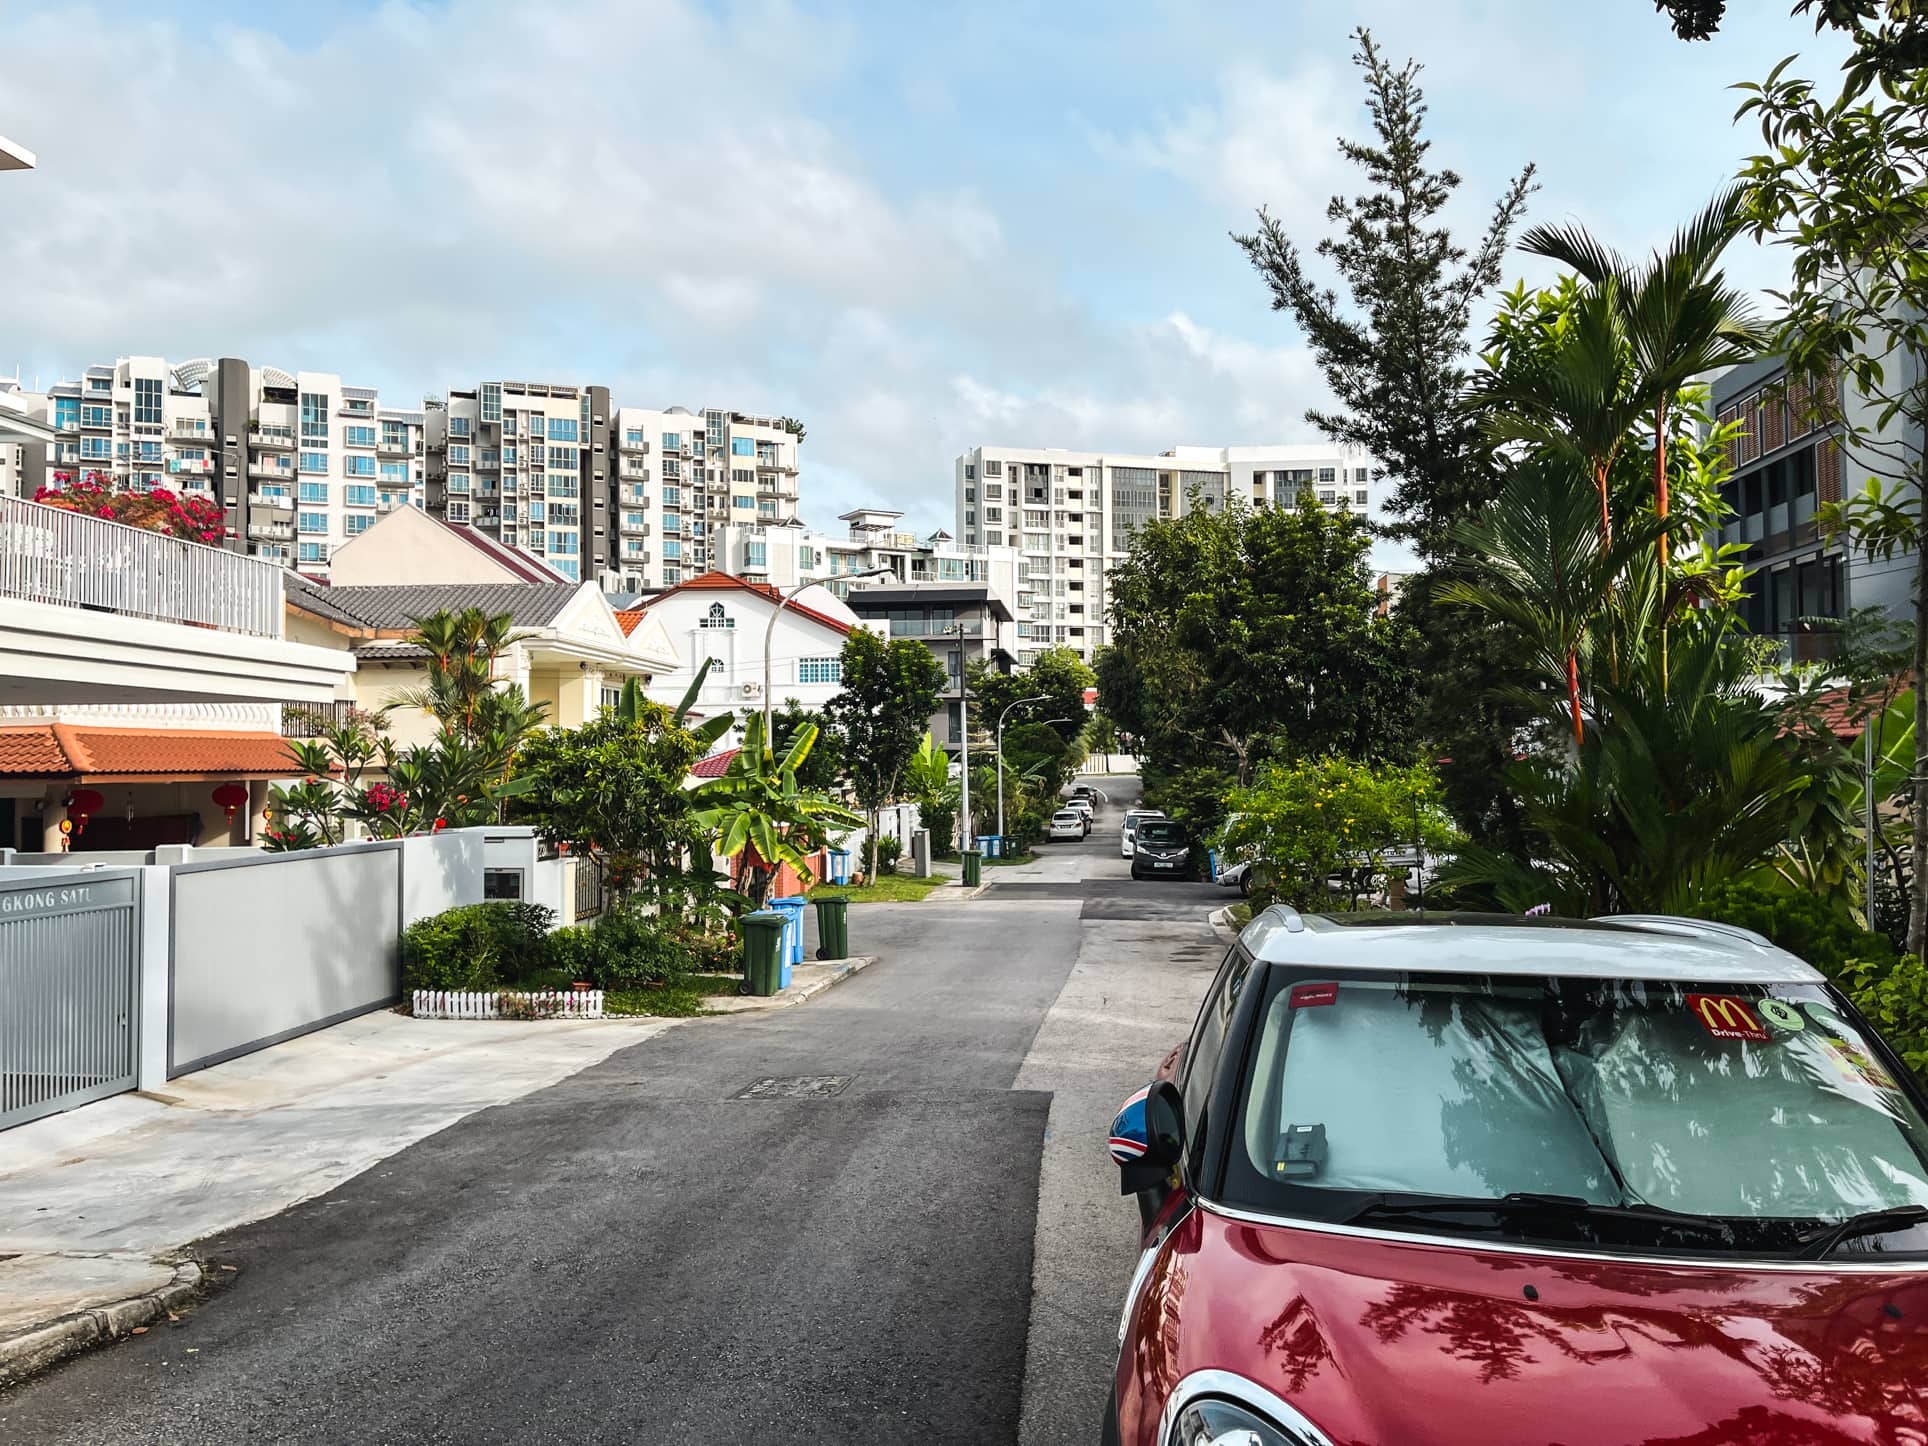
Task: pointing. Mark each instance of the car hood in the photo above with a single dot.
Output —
(1400, 1344)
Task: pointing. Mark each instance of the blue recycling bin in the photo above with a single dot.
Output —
(792, 954)
(991, 845)
(840, 866)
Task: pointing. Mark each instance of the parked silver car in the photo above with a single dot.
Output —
(1067, 825)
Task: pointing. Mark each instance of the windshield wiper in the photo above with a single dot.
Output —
(1869, 1222)
(1532, 1203)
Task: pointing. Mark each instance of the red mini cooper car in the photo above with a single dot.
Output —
(1468, 1181)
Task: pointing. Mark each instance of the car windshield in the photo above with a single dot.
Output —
(1762, 1109)
(1159, 831)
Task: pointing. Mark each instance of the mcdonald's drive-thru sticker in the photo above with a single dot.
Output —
(1726, 1017)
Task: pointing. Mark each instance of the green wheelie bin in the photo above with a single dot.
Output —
(973, 868)
(762, 950)
(833, 926)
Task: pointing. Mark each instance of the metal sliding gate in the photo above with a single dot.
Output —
(69, 992)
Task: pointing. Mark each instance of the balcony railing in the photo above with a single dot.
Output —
(271, 436)
(312, 720)
(49, 555)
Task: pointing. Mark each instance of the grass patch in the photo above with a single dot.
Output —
(688, 996)
(887, 889)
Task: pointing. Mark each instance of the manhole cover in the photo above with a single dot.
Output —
(795, 1087)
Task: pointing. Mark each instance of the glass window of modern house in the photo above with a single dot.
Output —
(359, 466)
(147, 401)
(743, 504)
(314, 462)
(312, 521)
(313, 552)
(672, 548)
(672, 441)
(820, 670)
(359, 495)
(359, 522)
(358, 436)
(314, 491)
(742, 446)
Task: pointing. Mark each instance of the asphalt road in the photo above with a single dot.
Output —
(885, 1216)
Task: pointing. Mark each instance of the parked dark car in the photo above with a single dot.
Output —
(1161, 849)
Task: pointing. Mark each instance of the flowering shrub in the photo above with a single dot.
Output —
(197, 519)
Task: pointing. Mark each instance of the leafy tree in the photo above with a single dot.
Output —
(615, 790)
(1039, 750)
(1890, 36)
(1058, 676)
(1843, 185)
(760, 818)
(824, 765)
(1307, 823)
(1395, 353)
(1240, 635)
(883, 712)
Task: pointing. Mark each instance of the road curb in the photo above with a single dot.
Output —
(841, 970)
(26, 1352)
(1221, 921)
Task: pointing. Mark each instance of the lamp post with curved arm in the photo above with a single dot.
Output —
(770, 633)
(1039, 698)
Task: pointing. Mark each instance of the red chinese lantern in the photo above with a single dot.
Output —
(81, 803)
(231, 796)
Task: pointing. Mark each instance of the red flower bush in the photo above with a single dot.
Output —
(198, 519)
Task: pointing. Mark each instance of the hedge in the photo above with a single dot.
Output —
(510, 945)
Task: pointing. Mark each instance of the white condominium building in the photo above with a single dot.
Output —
(1070, 515)
(687, 482)
(299, 461)
(788, 553)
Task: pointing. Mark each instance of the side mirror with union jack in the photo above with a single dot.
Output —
(1148, 1137)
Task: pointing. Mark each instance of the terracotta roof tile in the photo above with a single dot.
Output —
(628, 618)
(60, 750)
(716, 765)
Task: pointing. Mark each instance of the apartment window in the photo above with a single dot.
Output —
(148, 452)
(312, 521)
(358, 436)
(995, 539)
(359, 522)
(316, 462)
(359, 466)
(756, 554)
(359, 496)
(970, 472)
(565, 514)
(672, 497)
(458, 512)
(314, 491)
(489, 397)
(742, 475)
(314, 418)
(564, 429)
(743, 504)
(458, 426)
(564, 485)
(147, 401)
(672, 522)
(1360, 496)
(94, 416)
(458, 482)
(1327, 474)
(742, 447)
(537, 512)
(313, 552)
(394, 474)
(458, 456)
(562, 541)
(766, 509)
(394, 436)
(672, 441)
(1326, 496)
(819, 670)
(672, 548)
(633, 437)
(96, 449)
(993, 468)
(994, 514)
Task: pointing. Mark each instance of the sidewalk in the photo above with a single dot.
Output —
(98, 1205)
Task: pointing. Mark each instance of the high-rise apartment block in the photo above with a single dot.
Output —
(1070, 515)
(299, 461)
(687, 483)
(635, 497)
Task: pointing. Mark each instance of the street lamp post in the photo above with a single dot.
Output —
(770, 632)
(1039, 698)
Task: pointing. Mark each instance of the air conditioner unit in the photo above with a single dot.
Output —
(752, 690)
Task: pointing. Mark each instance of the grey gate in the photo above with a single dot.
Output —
(69, 992)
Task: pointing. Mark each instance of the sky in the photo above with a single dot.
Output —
(918, 228)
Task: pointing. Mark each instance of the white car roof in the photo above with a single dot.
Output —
(1624, 946)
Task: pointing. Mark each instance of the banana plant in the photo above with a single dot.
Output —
(760, 819)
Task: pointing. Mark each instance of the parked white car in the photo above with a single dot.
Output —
(1067, 825)
(1128, 840)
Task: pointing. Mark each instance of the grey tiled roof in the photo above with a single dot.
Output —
(393, 607)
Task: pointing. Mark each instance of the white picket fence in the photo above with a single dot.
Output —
(508, 1004)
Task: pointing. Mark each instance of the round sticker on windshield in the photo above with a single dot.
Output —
(1781, 1014)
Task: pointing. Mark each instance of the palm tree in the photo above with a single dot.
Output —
(1678, 315)
(1538, 564)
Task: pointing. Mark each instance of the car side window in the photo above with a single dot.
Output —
(1208, 1045)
